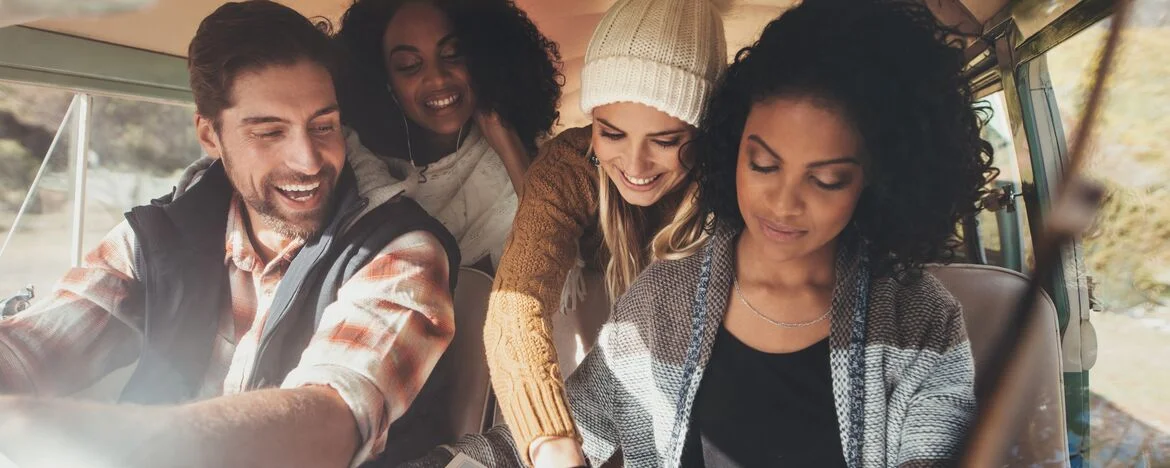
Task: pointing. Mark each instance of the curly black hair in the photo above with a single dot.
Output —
(896, 73)
(515, 70)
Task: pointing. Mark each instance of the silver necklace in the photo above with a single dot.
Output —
(777, 323)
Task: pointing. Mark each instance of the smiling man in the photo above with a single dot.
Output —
(283, 310)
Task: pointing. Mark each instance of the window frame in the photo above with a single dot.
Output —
(43, 58)
(88, 68)
(1042, 152)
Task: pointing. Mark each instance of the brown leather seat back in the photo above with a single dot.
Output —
(988, 295)
(575, 332)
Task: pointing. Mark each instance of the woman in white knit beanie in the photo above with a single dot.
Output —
(595, 197)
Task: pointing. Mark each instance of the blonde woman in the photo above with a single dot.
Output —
(597, 195)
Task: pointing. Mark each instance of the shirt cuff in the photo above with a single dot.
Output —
(364, 399)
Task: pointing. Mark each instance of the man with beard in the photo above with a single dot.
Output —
(283, 310)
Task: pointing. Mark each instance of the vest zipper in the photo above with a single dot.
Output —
(139, 266)
(256, 379)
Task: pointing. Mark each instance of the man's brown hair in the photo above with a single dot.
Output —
(249, 35)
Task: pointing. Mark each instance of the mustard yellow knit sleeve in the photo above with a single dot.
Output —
(559, 202)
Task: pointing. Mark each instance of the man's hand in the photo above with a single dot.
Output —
(507, 144)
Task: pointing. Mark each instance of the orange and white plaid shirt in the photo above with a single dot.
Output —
(375, 346)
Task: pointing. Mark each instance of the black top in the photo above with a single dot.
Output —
(756, 409)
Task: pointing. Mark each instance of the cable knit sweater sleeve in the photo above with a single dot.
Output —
(559, 204)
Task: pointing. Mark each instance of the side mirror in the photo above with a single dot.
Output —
(18, 303)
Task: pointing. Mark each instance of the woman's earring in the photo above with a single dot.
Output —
(592, 156)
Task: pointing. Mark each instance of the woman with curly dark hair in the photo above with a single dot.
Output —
(835, 158)
(453, 95)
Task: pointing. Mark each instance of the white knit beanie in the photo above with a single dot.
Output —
(666, 54)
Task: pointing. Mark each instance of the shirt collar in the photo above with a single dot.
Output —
(238, 247)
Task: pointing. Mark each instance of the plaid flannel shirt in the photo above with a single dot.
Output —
(376, 345)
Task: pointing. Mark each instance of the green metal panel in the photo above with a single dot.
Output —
(1046, 136)
(1076, 410)
(1040, 147)
(1046, 139)
(50, 59)
(1042, 134)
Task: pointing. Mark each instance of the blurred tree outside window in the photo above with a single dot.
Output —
(136, 151)
(1128, 252)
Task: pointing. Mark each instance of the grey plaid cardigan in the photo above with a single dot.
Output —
(902, 370)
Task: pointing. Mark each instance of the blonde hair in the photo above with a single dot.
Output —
(623, 227)
(686, 233)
